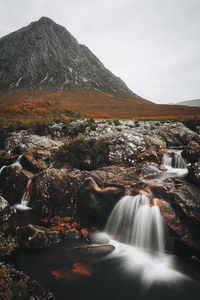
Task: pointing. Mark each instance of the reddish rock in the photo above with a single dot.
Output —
(85, 232)
(33, 164)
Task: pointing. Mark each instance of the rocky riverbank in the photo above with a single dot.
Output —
(72, 177)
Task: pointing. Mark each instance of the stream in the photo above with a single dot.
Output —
(138, 268)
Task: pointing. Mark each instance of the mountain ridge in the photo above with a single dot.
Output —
(45, 55)
(195, 102)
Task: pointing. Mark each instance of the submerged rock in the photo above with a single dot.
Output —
(95, 251)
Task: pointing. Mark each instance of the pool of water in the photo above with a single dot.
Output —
(127, 273)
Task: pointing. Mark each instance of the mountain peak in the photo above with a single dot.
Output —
(45, 55)
(45, 19)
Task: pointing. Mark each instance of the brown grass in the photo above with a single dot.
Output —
(88, 103)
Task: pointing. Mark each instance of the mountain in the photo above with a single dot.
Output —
(45, 54)
(190, 103)
(45, 71)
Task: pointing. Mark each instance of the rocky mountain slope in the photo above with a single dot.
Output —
(45, 54)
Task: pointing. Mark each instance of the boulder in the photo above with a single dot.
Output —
(55, 192)
(192, 152)
(34, 237)
(194, 173)
(20, 142)
(7, 215)
(180, 205)
(30, 162)
(95, 204)
(16, 284)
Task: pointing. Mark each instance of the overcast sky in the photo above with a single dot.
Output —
(153, 45)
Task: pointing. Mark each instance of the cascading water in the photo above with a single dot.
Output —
(174, 160)
(135, 222)
(17, 163)
(25, 198)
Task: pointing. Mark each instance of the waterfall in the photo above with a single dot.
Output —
(25, 198)
(17, 163)
(174, 160)
(2, 168)
(135, 222)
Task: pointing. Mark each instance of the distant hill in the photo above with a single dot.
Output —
(190, 103)
(45, 72)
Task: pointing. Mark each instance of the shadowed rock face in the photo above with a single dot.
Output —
(45, 54)
(179, 206)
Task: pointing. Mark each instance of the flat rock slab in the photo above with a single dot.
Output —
(95, 251)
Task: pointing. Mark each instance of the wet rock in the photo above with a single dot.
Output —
(13, 184)
(95, 251)
(34, 237)
(6, 216)
(30, 162)
(73, 234)
(55, 192)
(18, 285)
(192, 152)
(181, 209)
(6, 160)
(149, 156)
(194, 173)
(95, 203)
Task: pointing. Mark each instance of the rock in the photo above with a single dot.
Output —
(192, 152)
(17, 285)
(133, 138)
(95, 204)
(30, 162)
(55, 192)
(149, 156)
(181, 209)
(6, 216)
(13, 183)
(73, 234)
(95, 251)
(20, 142)
(194, 173)
(6, 160)
(34, 237)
